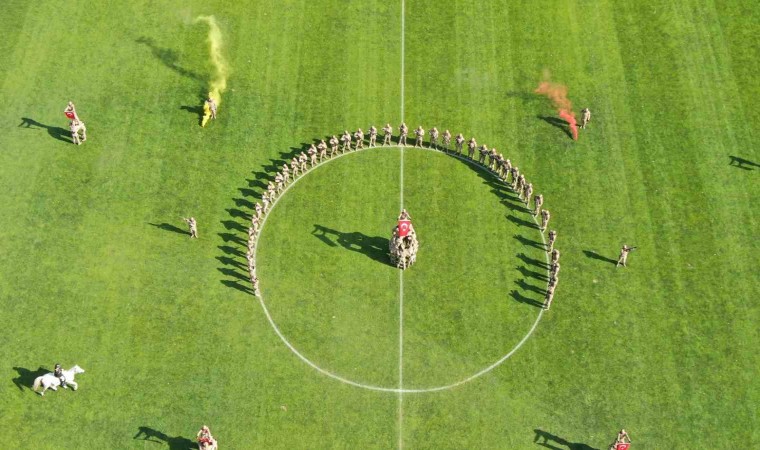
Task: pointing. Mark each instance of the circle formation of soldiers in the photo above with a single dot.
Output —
(405, 255)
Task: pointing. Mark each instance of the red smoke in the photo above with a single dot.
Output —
(557, 93)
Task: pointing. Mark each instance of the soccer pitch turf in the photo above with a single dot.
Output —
(97, 270)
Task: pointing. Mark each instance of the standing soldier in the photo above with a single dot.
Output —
(538, 204)
(387, 134)
(527, 192)
(483, 154)
(372, 136)
(554, 272)
(434, 138)
(322, 148)
(549, 296)
(302, 158)
(555, 256)
(403, 131)
(193, 227)
(420, 133)
(359, 136)
(585, 117)
(459, 141)
(278, 181)
(545, 216)
(285, 173)
(271, 190)
(71, 111)
(211, 105)
(624, 255)
(515, 172)
(492, 157)
(346, 140)
(294, 166)
(265, 202)
(520, 185)
(312, 151)
(334, 145)
(471, 145)
(259, 210)
(552, 240)
(447, 140)
(506, 168)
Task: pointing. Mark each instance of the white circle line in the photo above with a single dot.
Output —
(369, 386)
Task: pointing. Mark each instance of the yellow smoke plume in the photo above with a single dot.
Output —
(218, 82)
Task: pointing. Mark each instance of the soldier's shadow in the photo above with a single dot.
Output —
(376, 248)
(59, 133)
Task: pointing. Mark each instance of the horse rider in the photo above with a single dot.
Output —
(58, 373)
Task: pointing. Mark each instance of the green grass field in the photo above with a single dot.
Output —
(96, 268)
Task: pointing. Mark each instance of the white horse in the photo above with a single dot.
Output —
(50, 381)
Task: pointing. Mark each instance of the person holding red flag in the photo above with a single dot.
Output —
(71, 112)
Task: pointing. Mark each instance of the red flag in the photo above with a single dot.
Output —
(70, 114)
(622, 446)
(403, 227)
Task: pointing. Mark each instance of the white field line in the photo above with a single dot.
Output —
(401, 272)
(398, 390)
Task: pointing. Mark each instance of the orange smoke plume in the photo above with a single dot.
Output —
(557, 93)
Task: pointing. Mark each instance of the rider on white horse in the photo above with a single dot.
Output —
(58, 373)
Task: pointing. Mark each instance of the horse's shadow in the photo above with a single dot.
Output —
(58, 133)
(26, 377)
(174, 442)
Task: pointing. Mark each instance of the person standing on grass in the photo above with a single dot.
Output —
(403, 131)
(312, 151)
(538, 203)
(193, 227)
(334, 145)
(527, 192)
(552, 239)
(624, 257)
(515, 176)
(471, 146)
(372, 136)
(346, 140)
(555, 256)
(483, 153)
(549, 296)
(322, 148)
(419, 133)
(434, 138)
(545, 216)
(447, 140)
(585, 117)
(459, 142)
(387, 134)
(359, 136)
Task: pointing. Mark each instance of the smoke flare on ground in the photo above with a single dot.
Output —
(557, 93)
(218, 83)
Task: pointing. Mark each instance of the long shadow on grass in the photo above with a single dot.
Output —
(169, 227)
(375, 248)
(174, 442)
(534, 262)
(26, 377)
(529, 242)
(597, 256)
(527, 273)
(59, 133)
(548, 437)
(169, 57)
(559, 123)
(527, 300)
(740, 163)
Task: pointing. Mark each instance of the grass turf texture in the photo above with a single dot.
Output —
(163, 325)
